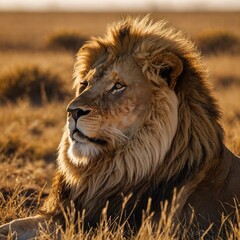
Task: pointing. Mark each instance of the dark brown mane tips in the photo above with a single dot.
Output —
(124, 31)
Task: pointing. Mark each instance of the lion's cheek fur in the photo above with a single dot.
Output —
(166, 120)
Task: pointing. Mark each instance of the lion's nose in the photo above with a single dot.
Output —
(77, 112)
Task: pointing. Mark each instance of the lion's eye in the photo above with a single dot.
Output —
(118, 87)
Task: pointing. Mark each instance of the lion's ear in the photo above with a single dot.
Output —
(171, 68)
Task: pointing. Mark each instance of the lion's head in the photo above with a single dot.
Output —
(117, 91)
(142, 110)
(116, 99)
(112, 102)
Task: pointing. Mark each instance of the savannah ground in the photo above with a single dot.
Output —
(31, 129)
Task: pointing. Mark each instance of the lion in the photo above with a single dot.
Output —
(143, 124)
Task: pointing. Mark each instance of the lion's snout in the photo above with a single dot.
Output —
(76, 113)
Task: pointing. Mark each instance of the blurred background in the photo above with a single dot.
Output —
(123, 5)
(38, 44)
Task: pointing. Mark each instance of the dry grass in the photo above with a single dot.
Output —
(65, 40)
(31, 83)
(30, 134)
(218, 42)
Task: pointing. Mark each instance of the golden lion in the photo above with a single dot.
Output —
(143, 122)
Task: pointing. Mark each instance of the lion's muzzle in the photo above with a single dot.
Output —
(77, 134)
(77, 112)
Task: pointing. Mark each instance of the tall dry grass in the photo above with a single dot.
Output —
(166, 228)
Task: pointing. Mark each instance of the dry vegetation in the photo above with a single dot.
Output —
(65, 40)
(33, 84)
(218, 42)
(32, 63)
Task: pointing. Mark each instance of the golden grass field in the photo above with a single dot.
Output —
(30, 133)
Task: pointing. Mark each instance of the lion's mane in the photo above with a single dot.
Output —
(141, 166)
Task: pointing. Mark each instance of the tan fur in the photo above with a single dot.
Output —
(162, 131)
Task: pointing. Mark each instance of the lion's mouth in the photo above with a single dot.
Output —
(78, 136)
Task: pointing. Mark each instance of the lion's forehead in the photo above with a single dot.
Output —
(121, 69)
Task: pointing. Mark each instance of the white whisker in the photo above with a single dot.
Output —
(115, 133)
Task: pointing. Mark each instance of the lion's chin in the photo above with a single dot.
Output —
(81, 153)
